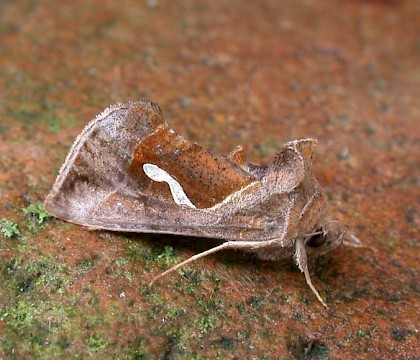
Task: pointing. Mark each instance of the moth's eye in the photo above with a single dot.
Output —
(317, 240)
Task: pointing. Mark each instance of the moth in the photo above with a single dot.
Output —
(128, 171)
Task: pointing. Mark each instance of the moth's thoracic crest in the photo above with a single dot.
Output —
(128, 171)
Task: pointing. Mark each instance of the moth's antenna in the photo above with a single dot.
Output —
(302, 263)
(227, 245)
(191, 259)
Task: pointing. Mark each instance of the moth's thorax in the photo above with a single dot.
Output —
(298, 214)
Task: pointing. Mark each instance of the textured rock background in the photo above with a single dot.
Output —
(225, 73)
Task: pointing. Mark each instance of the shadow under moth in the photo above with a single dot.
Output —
(128, 171)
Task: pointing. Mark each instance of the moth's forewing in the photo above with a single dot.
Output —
(102, 183)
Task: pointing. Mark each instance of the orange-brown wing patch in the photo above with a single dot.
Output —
(206, 178)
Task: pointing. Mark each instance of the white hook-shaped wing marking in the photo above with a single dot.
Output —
(157, 174)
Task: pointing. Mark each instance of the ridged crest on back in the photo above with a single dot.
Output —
(289, 166)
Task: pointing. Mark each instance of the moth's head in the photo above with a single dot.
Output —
(326, 237)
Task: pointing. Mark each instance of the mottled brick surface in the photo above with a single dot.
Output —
(256, 73)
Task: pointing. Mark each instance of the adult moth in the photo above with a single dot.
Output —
(128, 171)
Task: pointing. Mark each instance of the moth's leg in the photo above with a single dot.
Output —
(302, 263)
(226, 245)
